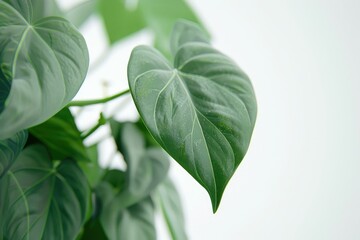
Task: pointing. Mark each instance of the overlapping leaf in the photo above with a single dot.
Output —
(201, 111)
(43, 64)
(61, 135)
(41, 201)
(127, 211)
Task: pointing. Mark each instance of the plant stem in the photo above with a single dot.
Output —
(101, 122)
(96, 101)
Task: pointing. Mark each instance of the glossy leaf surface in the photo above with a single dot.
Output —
(41, 201)
(201, 109)
(170, 204)
(61, 135)
(43, 64)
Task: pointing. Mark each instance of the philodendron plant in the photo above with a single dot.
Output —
(196, 106)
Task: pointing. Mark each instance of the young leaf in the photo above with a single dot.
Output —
(120, 19)
(41, 201)
(42, 66)
(62, 137)
(201, 111)
(170, 204)
(146, 168)
(10, 149)
(135, 222)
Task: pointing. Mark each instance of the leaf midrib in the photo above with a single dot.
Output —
(174, 76)
(17, 52)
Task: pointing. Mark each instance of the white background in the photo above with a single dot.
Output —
(301, 176)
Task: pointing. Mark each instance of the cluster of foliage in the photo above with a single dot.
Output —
(195, 105)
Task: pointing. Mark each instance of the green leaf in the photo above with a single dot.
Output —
(169, 201)
(93, 230)
(134, 222)
(44, 8)
(171, 207)
(120, 19)
(39, 200)
(201, 111)
(149, 140)
(10, 150)
(92, 169)
(79, 14)
(117, 179)
(146, 168)
(62, 137)
(42, 66)
(161, 15)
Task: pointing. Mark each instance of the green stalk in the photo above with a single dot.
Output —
(96, 101)
(101, 122)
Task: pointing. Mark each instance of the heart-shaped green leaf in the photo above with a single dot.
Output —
(10, 150)
(41, 201)
(62, 137)
(170, 204)
(146, 167)
(42, 66)
(202, 110)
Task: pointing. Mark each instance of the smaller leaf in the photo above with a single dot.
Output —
(10, 150)
(146, 168)
(170, 204)
(135, 222)
(61, 135)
